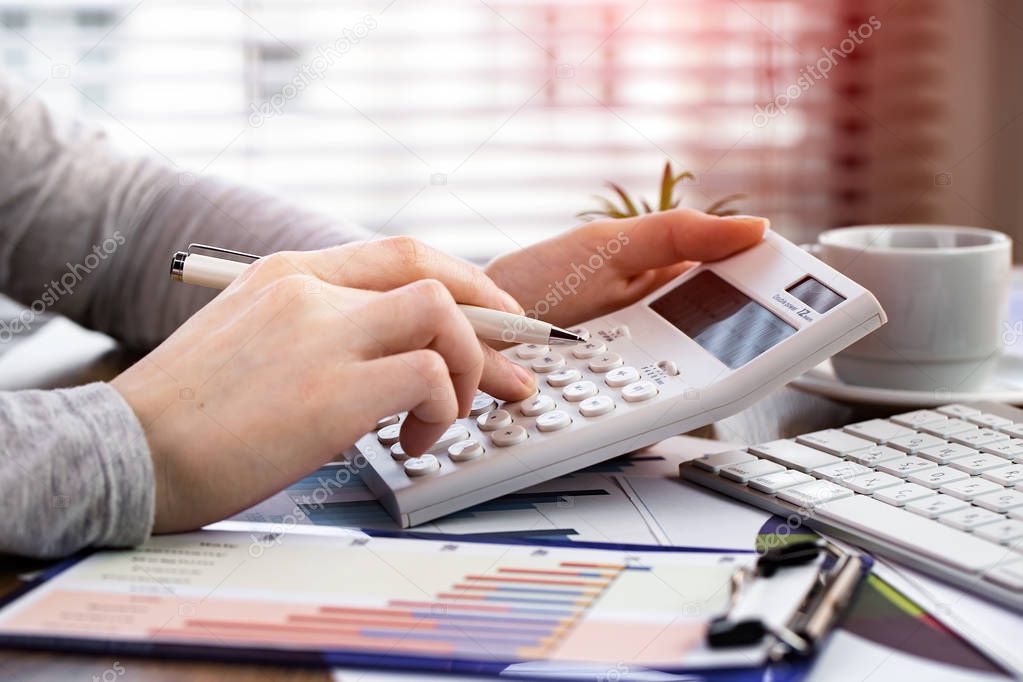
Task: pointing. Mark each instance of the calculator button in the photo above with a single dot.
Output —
(1000, 500)
(389, 434)
(639, 391)
(877, 430)
(871, 482)
(915, 442)
(906, 466)
(747, 470)
(548, 363)
(948, 428)
(918, 418)
(833, 441)
(538, 404)
(937, 477)
(424, 465)
(668, 367)
(512, 435)
(605, 362)
(936, 505)
(580, 390)
(779, 480)
(969, 488)
(901, 495)
(387, 421)
(873, 456)
(464, 450)
(990, 420)
(491, 421)
(596, 406)
(564, 377)
(588, 350)
(621, 376)
(717, 460)
(553, 421)
(979, 437)
(398, 453)
(454, 433)
(958, 410)
(970, 518)
(581, 332)
(481, 404)
(949, 452)
(532, 350)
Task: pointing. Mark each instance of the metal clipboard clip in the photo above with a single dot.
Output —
(177, 267)
(838, 577)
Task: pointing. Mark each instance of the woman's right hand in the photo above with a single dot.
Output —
(299, 358)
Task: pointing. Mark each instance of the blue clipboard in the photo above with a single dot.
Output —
(836, 574)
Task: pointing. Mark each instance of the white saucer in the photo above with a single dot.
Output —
(1005, 386)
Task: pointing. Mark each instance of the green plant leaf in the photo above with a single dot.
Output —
(630, 207)
(646, 206)
(667, 187)
(720, 207)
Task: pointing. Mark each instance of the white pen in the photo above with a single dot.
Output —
(217, 273)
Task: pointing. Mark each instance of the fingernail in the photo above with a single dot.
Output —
(510, 304)
(759, 221)
(524, 375)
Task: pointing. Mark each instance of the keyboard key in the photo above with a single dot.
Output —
(747, 470)
(877, 430)
(580, 390)
(906, 466)
(979, 437)
(716, 461)
(531, 351)
(809, 495)
(564, 377)
(482, 403)
(389, 434)
(588, 350)
(903, 494)
(398, 453)
(969, 518)
(1005, 448)
(970, 488)
(873, 456)
(387, 421)
(912, 532)
(508, 436)
(1007, 475)
(454, 433)
(424, 465)
(870, 482)
(639, 391)
(936, 505)
(582, 332)
(956, 410)
(537, 405)
(1014, 430)
(935, 478)
(833, 441)
(840, 470)
(772, 483)
(915, 442)
(1004, 532)
(975, 464)
(553, 421)
(1000, 501)
(621, 376)
(948, 428)
(1008, 575)
(465, 451)
(990, 420)
(548, 363)
(493, 420)
(606, 362)
(793, 455)
(596, 406)
(918, 418)
(949, 452)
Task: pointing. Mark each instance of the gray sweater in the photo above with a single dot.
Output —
(87, 233)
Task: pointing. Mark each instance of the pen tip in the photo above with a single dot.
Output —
(559, 335)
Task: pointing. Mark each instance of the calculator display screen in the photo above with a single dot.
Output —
(724, 321)
(814, 294)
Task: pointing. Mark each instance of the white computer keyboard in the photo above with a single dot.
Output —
(940, 490)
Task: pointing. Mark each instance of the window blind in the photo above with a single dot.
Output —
(483, 125)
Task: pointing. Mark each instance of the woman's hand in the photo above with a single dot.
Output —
(608, 264)
(299, 358)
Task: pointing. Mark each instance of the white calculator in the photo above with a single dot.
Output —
(702, 347)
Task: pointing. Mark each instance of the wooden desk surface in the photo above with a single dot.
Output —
(80, 356)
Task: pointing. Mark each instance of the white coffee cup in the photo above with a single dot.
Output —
(946, 291)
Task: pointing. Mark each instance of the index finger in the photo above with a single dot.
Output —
(386, 264)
